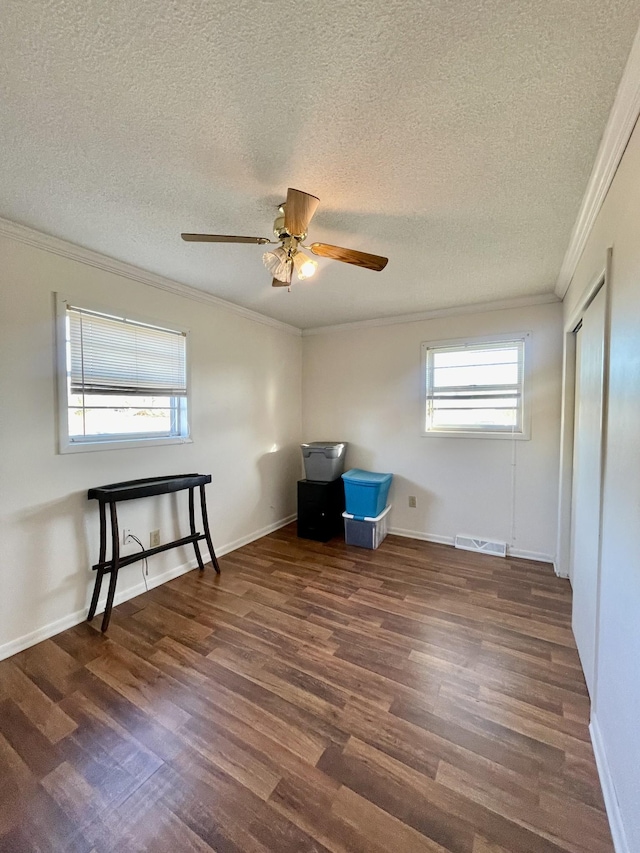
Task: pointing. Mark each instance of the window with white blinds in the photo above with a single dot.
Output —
(122, 381)
(114, 355)
(475, 387)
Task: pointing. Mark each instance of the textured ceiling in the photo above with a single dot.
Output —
(454, 137)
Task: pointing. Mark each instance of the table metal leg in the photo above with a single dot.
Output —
(103, 553)
(192, 525)
(115, 558)
(207, 535)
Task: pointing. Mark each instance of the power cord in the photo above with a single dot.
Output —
(145, 563)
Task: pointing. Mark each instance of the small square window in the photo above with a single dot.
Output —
(121, 381)
(475, 387)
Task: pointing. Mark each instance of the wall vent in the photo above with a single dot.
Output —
(484, 546)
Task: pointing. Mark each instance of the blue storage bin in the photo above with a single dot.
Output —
(365, 493)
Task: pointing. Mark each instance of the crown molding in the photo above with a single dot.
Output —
(57, 246)
(459, 310)
(620, 124)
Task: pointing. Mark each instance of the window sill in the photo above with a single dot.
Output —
(508, 436)
(124, 444)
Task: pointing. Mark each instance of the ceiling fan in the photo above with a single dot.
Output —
(290, 228)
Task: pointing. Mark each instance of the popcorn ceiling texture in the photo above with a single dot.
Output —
(454, 137)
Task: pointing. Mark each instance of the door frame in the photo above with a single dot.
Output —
(565, 489)
(565, 484)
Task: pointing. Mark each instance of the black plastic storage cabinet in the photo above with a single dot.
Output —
(320, 508)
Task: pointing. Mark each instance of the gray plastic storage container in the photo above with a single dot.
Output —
(323, 460)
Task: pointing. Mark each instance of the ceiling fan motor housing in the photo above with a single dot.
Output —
(280, 229)
(278, 226)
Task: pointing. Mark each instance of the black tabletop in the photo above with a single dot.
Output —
(131, 489)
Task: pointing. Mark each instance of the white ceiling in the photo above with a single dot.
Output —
(454, 137)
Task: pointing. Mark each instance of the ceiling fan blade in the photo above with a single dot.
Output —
(223, 238)
(277, 283)
(350, 256)
(298, 211)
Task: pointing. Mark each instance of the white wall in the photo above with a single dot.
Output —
(616, 703)
(245, 416)
(364, 386)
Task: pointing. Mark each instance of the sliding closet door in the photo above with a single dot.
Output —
(587, 475)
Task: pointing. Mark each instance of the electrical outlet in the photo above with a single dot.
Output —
(126, 535)
(154, 538)
(412, 501)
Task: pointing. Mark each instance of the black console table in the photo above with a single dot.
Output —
(128, 491)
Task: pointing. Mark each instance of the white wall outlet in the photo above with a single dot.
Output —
(154, 538)
(126, 535)
(412, 501)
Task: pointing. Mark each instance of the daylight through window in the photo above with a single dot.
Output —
(125, 380)
(475, 387)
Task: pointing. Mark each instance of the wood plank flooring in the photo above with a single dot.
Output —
(314, 697)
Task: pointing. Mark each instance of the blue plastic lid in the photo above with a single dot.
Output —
(357, 475)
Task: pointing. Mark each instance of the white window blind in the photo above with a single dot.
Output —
(475, 387)
(114, 355)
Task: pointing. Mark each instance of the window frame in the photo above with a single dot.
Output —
(111, 441)
(522, 434)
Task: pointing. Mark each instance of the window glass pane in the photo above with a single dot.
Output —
(474, 417)
(481, 374)
(99, 419)
(119, 401)
(453, 403)
(471, 356)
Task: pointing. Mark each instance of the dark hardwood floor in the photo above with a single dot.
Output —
(314, 697)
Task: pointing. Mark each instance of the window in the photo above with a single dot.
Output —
(122, 381)
(476, 387)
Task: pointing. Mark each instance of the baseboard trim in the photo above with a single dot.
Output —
(257, 534)
(608, 790)
(423, 537)
(560, 573)
(11, 648)
(53, 628)
(530, 555)
(449, 540)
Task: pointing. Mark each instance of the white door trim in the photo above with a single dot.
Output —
(565, 485)
(565, 497)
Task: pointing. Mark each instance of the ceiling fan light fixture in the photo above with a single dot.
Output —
(305, 266)
(278, 264)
